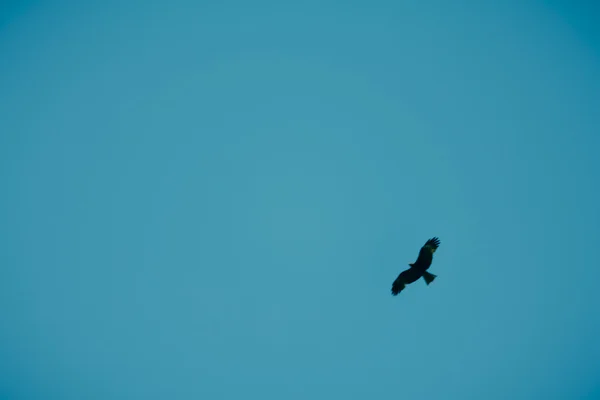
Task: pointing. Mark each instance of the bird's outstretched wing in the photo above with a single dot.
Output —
(406, 277)
(399, 283)
(428, 248)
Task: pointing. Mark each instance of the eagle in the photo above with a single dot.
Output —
(419, 268)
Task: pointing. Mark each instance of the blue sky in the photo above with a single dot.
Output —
(212, 201)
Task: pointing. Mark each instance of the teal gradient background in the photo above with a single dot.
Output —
(211, 201)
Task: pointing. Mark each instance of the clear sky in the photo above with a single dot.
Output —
(212, 201)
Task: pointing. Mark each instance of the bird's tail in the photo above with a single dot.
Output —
(429, 277)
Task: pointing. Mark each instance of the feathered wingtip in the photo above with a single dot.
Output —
(433, 242)
(397, 288)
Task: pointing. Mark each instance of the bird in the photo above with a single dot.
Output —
(419, 268)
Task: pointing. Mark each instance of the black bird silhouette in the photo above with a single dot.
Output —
(419, 268)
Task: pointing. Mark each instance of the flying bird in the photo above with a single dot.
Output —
(419, 268)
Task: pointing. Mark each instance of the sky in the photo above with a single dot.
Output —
(212, 200)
